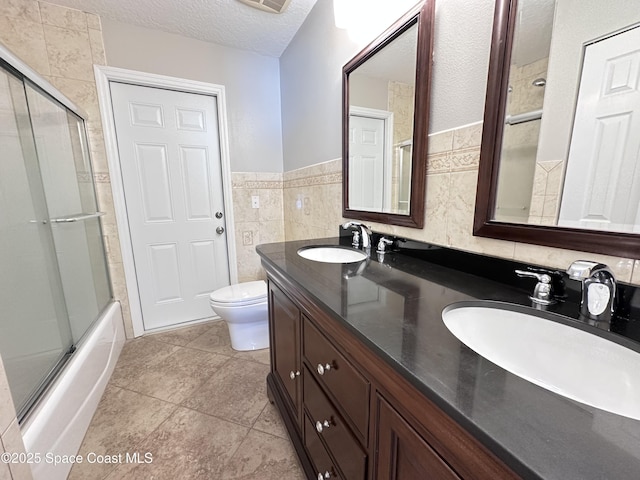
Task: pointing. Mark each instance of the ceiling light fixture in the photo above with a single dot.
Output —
(271, 6)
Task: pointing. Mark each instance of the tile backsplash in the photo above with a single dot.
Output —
(253, 226)
(313, 207)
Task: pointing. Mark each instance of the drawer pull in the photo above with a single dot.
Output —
(323, 476)
(323, 368)
(320, 426)
(293, 375)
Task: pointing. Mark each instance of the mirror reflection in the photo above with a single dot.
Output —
(380, 131)
(570, 139)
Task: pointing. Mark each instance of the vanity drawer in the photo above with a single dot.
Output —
(319, 456)
(331, 427)
(347, 386)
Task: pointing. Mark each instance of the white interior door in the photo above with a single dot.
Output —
(366, 163)
(168, 143)
(602, 182)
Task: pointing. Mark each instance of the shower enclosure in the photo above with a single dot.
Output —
(54, 282)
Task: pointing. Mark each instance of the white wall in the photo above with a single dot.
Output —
(311, 77)
(311, 89)
(252, 84)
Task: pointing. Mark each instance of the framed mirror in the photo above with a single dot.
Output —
(385, 122)
(560, 154)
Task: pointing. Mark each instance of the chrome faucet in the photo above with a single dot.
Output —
(543, 293)
(364, 232)
(598, 289)
(383, 243)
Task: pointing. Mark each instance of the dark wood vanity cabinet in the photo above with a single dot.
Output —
(349, 414)
(402, 454)
(286, 364)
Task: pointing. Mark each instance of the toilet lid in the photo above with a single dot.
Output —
(241, 293)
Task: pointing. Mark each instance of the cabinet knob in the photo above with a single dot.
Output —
(323, 476)
(323, 368)
(293, 375)
(320, 426)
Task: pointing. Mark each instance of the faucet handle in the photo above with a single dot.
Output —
(543, 292)
(383, 243)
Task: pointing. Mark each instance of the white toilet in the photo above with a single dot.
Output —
(244, 307)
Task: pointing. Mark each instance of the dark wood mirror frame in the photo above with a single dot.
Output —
(609, 243)
(422, 15)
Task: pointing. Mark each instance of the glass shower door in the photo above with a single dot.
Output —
(34, 330)
(68, 185)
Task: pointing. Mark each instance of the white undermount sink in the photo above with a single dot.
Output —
(568, 361)
(332, 254)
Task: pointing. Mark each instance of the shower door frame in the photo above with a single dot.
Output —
(103, 76)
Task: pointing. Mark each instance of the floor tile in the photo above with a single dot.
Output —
(123, 420)
(260, 356)
(178, 376)
(137, 355)
(270, 421)
(215, 340)
(184, 335)
(189, 445)
(265, 457)
(236, 393)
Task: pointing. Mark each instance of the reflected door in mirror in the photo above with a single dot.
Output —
(561, 136)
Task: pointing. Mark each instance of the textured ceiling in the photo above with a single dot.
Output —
(225, 22)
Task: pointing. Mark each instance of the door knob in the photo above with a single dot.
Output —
(220, 230)
(218, 214)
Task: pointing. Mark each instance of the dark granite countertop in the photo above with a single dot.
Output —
(394, 306)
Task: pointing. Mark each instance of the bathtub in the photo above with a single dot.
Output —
(59, 422)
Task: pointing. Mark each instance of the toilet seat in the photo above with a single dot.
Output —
(248, 293)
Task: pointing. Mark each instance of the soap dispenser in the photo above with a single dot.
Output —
(598, 289)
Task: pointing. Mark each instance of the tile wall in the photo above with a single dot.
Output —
(10, 436)
(312, 207)
(254, 226)
(62, 45)
(313, 201)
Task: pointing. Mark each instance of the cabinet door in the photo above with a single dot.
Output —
(402, 452)
(284, 319)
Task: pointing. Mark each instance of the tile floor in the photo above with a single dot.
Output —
(197, 406)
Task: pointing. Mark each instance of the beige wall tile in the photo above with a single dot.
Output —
(467, 137)
(437, 208)
(467, 159)
(635, 277)
(5, 473)
(561, 259)
(93, 21)
(440, 142)
(25, 9)
(460, 222)
(83, 93)
(63, 17)
(25, 38)
(242, 210)
(96, 42)
(270, 205)
(12, 441)
(439, 163)
(69, 53)
(7, 410)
